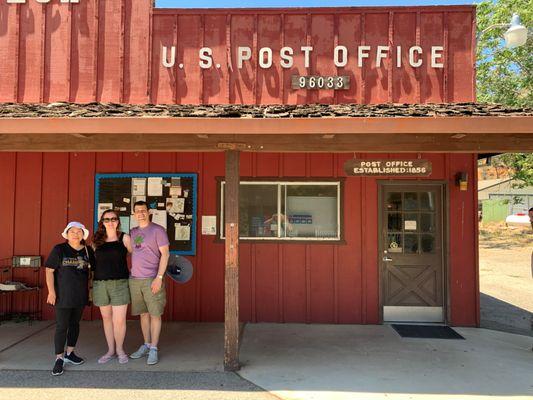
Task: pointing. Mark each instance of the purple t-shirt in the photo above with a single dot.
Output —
(146, 243)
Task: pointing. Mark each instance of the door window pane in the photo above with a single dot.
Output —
(395, 243)
(427, 201)
(410, 223)
(394, 222)
(410, 201)
(427, 243)
(410, 244)
(311, 211)
(394, 201)
(427, 223)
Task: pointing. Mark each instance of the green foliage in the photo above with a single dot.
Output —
(504, 76)
(522, 165)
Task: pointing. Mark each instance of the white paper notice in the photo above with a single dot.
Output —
(175, 191)
(183, 232)
(126, 200)
(159, 217)
(138, 186)
(209, 225)
(125, 224)
(175, 205)
(155, 186)
(410, 225)
(102, 207)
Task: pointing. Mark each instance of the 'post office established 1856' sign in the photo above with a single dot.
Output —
(407, 168)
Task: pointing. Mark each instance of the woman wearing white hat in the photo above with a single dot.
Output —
(67, 279)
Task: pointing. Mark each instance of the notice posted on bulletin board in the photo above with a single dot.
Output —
(171, 202)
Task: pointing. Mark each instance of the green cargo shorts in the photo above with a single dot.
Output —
(144, 301)
(111, 292)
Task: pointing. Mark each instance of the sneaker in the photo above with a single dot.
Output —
(143, 351)
(58, 367)
(73, 359)
(152, 356)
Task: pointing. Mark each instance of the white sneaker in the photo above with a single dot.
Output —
(152, 356)
(143, 350)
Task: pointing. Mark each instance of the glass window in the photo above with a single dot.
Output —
(288, 210)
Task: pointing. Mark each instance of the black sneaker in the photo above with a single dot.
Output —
(58, 367)
(73, 359)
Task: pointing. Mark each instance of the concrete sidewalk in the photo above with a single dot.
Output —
(291, 361)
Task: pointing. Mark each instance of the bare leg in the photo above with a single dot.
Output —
(155, 329)
(107, 319)
(145, 327)
(119, 327)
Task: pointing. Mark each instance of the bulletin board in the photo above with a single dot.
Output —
(171, 198)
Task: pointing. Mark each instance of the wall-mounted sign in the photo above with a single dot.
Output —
(406, 168)
(364, 54)
(321, 82)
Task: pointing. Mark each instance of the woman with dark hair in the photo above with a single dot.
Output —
(110, 286)
(67, 280)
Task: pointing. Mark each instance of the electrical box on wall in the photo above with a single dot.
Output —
(27, 261)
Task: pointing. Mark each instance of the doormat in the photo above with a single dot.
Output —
(426, 332)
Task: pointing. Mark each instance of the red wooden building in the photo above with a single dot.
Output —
(337, 248)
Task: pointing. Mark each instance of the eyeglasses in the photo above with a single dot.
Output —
(114, 219)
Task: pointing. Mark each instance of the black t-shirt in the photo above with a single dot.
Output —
(71, 274)
(111, 261)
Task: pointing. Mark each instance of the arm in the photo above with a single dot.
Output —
(163, 261)
(51, 299)
(127, 242)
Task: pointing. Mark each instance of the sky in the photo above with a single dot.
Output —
(299, 3)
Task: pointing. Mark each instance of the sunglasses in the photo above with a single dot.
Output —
(113, 219)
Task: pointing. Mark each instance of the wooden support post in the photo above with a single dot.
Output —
(231, 291)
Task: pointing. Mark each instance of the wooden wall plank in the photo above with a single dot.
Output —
(8, 169)
(242, 80)
(189, 83)
(9, 25)
(55, 188)
(376, 79)
(322, 37)
(164, 89)
(404, 78)
(431, 79)
(461, 64)
(269, 80)
(214, 79)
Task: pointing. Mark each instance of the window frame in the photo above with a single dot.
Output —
(279, 182)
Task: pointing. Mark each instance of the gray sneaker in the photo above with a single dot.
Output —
(143, 350)
(152, 357)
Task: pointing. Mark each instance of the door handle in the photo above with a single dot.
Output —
(387, 259)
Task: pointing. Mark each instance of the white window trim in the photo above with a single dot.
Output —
(279, 184)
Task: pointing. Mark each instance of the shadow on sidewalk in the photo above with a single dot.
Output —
(502, 316)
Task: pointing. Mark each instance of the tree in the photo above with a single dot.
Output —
(505, 76)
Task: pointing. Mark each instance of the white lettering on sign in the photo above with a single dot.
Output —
(243, 54)
(206, 61)
(42, 1)
(265, 56)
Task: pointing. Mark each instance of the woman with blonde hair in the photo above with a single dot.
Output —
(110, 286)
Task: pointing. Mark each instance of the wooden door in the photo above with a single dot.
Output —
(411, 253)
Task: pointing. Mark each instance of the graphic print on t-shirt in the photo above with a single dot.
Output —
(138, 240)
(79, 262)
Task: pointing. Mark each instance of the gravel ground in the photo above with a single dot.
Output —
(506, 283)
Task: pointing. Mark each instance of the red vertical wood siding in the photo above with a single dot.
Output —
(103, 50)
(280, 282)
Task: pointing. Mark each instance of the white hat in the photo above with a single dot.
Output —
(75, 224)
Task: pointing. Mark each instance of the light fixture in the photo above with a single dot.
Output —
(516, 35)
(461, 180)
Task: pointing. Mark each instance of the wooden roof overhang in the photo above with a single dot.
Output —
(328, 134)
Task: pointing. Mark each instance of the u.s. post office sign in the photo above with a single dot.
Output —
(41, 1)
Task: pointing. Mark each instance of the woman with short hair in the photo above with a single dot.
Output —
(67, 280)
